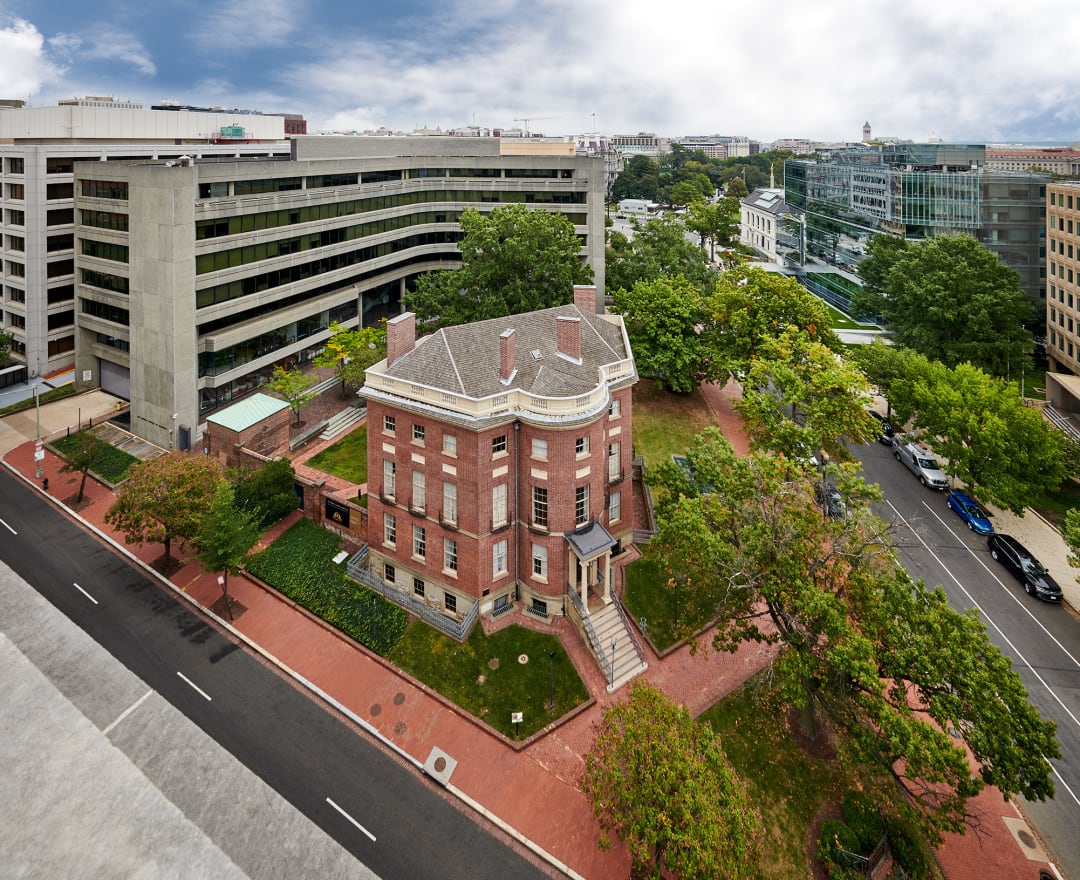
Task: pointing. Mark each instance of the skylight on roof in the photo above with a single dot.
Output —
(536, 354)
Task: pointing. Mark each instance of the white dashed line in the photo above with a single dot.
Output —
(88, 596)
(9, 528)
(351, 819)
(203, 693)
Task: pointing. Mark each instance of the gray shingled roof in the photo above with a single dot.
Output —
(465, 359)
(768, 200)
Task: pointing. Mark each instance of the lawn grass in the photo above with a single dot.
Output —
(111, 465)
(1054, 505)
(841, 321)
(665, 424)
(464, 674)
(346, 459)
(648, 595)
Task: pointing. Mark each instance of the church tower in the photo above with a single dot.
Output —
(866, 132)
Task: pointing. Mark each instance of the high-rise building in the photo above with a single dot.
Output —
(196, 278)
(39, 147)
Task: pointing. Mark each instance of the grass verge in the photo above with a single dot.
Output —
(665, 424)
(346, 459)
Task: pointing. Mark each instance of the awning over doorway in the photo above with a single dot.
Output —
(590, 541)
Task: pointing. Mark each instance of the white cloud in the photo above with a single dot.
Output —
(105, 43)
(24, 66)
(249, 24)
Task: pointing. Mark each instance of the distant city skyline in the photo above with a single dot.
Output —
(996, 73)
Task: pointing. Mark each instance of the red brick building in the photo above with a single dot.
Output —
(499, 460)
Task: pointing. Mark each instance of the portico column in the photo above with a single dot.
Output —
(607, 578)
(583, 584)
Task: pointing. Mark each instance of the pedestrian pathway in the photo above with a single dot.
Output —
(531, 792)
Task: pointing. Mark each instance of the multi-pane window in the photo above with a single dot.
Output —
(498, 505)
(418, 433)
(419, 490)
(450, 602)
(389, 424)
(615, 507)
(539, 448)
(389, 478)
(540, 560)
(388, 573)
(581, 446)
(615, 410)
(581, 505)
(498, 558)
(419, 541)
(418, 586)
(449, 502)
(613, 469)
(498, 444)
(449, 444)
(449, 554)
(540, 507)
(389, 523)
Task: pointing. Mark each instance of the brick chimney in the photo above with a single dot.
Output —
(506, 356)
(570, 338)
(585, 297)
(400, 337)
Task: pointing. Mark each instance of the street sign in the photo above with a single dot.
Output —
(39, 455)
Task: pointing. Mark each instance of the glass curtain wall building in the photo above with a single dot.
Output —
(916, 191)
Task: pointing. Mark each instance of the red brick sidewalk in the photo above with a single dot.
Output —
(533, 790)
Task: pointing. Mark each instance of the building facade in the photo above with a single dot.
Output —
(1059, 161)
(196, 278)
(39, 147)
(761, 214)
(1063, 269)
(499, 461)
(918, 191)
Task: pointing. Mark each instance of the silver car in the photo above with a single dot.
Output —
(919, 459)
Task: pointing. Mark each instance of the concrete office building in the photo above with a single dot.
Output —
(1063, 298)
(196, 279)
(39, 147)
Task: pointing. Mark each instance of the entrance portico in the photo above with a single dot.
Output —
(590, 548)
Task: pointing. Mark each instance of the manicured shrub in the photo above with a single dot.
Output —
(270, 490)
(861, 816)
(836, 836)
(909, 848)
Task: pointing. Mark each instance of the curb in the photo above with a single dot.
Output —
(310, 686)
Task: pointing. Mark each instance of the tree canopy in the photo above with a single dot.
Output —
(513, 259)
(81, 454)
(293, 387)
(165, 498)
(662, 784)
(6, 338)
(225, 537)
(949, 298)
(861, 646)
(352, 350)
(715, 222)
(659, 247)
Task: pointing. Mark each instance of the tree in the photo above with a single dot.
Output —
(165, 498)
(352, 351)
(662, 320)
(860, 646)
(513, 259)
(225, 537)
(1070, 531)
(736, 189)
(950, 299)
(659, 247)
(80, 455)
(639, 179)
(6, 338)
(1002, 450)
(662, 784)
(715, 221)
(292, 386)
(268, 491)
(882, 252)
(686, 192)
(892, 368)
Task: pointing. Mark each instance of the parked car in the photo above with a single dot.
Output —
(1028, 570)
(830, 500)
(918, 459)
(885, 428)
(965, 507)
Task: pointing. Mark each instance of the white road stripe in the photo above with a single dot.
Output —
(1072, 793)
(9, 528)
(88, 596)
(127, 711)
(351, 819)
(204, 694)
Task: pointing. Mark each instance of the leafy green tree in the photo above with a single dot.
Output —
(269, 491)
(81, 455)
(952, 300)
(6, 338)
(1004, 451)
(860, 646)
(750, 306)
(292, 386)
(639, 179)
(1070, 531)
(715, 222)
(893, 369)
(736, 189)
(352, 351)
(659, 247)
(661, 783)
(662, 320)
(513, 260)
(882, 252)
(165, 499)
(225, 537)
(685, 192)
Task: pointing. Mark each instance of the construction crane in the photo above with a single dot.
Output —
(528, 119)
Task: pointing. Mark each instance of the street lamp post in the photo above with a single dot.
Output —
(38, 451)
(551, 680)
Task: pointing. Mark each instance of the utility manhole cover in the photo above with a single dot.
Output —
(440, 764)
(376, 709)
(1026, 839)
(523, 659)
(399, 698)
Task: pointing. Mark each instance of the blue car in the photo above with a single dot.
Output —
(977, 519)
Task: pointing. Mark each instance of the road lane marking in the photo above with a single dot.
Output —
(88, 596)
(9, 528)
(1010, 593)
(1072, 793)
(204, 694)
(127, 711)
(351, 819)
(987, 617)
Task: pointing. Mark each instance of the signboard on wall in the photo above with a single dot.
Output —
(337, 512)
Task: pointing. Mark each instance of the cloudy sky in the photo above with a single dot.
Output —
(992, 71)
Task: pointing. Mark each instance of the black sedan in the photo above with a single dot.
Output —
(885, 429)
(1020, 561)
(830, 500)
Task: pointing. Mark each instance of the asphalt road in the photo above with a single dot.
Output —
(381, 812)
(1042, 639)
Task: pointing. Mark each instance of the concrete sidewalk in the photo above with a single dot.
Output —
(531, 793)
